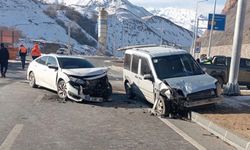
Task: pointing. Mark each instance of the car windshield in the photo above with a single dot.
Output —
(176, 66)
(74, 63)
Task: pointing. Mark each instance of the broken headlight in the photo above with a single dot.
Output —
(76, 80)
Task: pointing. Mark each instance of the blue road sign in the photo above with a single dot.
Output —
(219, 22)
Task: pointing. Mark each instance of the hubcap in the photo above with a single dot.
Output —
(62, 90)
(160, 107)
(32, 79)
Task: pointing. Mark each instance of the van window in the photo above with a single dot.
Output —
(135, 63)
(145, 69)
(127, 61)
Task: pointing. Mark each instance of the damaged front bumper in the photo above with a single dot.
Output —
(189, 104)
(75, 95)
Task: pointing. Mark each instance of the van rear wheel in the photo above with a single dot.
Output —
(128, 90)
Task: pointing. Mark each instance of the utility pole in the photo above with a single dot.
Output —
(69, 37)
(211, 31)
(232, 87)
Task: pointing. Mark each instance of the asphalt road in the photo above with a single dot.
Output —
(34, 119)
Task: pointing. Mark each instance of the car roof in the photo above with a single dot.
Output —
(157, 51)
(63, 56)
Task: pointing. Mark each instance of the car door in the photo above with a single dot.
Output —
(244, 73)
(39, 71)
(51, 73)
(146, 86)
(134, 74)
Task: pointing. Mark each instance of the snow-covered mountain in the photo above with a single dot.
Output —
(127, 24)
(132, 25)
(182, 17)
(30, 17)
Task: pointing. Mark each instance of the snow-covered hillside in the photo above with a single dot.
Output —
(127, 24)
(181, 17)
(132, 25)
(28, 17)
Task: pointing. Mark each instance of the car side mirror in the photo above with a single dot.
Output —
(148, 77)
(53, 67)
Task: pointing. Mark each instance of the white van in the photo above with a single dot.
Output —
(170, 75)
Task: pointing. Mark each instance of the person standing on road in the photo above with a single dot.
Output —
(22, 54)
(4, 57)
(35, 52)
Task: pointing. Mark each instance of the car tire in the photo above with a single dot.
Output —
(163, 107)
(32, 80)
(62, 90)
(108, 92)
(128, 90)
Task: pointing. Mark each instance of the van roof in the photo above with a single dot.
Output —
(157, 51)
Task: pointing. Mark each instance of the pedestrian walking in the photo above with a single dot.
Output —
(35, 52)
(22, 54)
(4, 57)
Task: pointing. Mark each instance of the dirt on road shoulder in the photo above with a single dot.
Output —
(232, 114)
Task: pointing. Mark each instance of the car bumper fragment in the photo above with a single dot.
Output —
(74, 94)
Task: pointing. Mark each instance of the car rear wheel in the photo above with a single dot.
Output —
(62, 89)
(32, 80)
(128, 90)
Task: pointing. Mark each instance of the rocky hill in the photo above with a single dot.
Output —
(226, 37)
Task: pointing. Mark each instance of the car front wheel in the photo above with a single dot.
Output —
(62, 89)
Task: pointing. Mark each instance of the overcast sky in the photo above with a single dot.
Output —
(204, 7)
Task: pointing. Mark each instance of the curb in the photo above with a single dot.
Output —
(225, 135)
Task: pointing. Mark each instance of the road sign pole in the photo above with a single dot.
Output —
(211, 31)
(232, 87)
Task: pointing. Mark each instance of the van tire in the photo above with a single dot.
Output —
(163, 107)
(128, 90)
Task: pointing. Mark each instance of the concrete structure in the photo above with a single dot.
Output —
(102, 29)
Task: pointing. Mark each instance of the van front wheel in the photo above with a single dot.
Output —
(163, 107)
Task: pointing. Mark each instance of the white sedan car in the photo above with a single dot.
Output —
(72, 77)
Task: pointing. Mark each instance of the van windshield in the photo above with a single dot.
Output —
(176, 66)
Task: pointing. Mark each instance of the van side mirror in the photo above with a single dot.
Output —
(148, 77)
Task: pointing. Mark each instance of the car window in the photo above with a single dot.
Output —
(51, 61)
(127, 61)
(220, 61)
(135, 63)
(145, 69)
(42, 60)
(247, 63)
(74, 63)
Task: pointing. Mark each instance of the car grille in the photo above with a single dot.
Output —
(202, 95)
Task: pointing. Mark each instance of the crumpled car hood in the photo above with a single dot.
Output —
(85, 72)
(192, 84)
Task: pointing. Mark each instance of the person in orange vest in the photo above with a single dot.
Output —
(22, 54)
(35, 52)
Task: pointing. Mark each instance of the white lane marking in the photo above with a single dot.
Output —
(8, 142)
(183, 134)
(38, 99)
